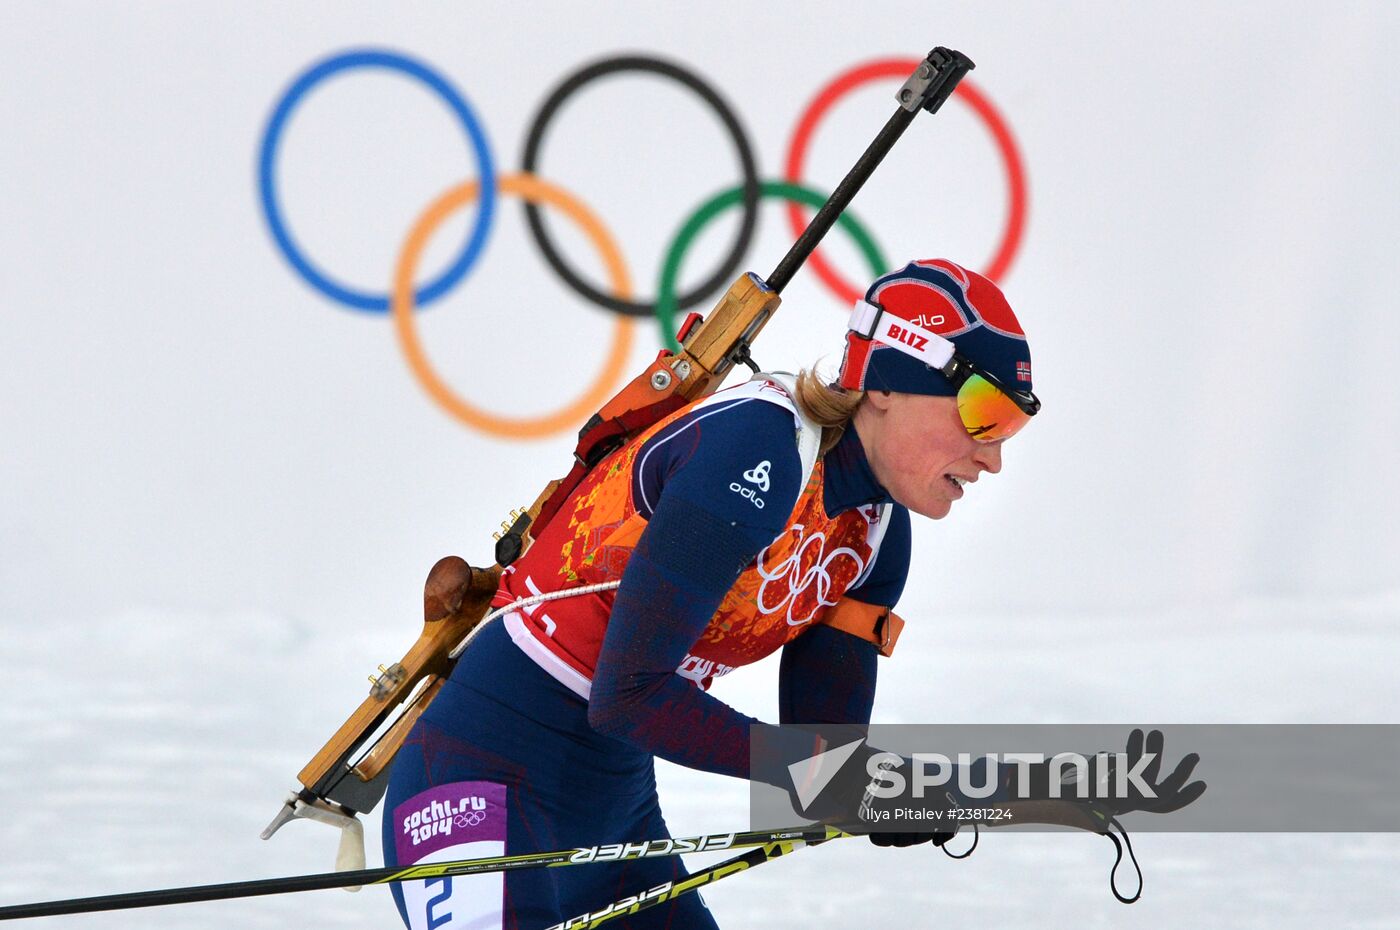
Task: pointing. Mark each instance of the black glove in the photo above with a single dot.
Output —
(848, 803)
(1169, 794)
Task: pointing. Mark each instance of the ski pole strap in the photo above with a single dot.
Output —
(1090, 817)
(1118, 859)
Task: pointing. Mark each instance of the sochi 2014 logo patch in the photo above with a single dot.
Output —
(449, 815)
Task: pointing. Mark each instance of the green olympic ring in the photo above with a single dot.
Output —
(666, 308)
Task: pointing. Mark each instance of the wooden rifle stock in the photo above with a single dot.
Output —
(457, 596)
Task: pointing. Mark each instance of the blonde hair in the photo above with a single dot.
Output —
(829, 406)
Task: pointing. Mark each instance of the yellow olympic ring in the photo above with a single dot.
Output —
(533, 190)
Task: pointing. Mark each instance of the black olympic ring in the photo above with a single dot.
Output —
(533, 216)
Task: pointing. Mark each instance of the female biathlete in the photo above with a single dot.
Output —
(770, 515)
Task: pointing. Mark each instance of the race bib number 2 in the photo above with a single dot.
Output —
(462, 820)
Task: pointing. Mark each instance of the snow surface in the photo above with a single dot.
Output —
(135, 768)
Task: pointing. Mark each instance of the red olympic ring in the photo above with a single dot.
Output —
(900, 68)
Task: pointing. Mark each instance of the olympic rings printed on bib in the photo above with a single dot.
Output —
(405, 297)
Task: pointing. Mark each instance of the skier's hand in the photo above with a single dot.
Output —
(873, 807)
(848, 802)
(901, 840)
(1162, 795)
(1169, 794)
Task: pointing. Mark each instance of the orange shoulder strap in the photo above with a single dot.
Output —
(870, 622)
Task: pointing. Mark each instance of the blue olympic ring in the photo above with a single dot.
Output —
(267, 184)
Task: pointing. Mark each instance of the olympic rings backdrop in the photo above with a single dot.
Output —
(404, 295)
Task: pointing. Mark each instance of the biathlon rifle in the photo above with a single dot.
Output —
(350, 772)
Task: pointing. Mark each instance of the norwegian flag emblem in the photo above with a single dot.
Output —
(1023, 371)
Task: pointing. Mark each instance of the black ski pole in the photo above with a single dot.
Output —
(615, 852)
(669, 891)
